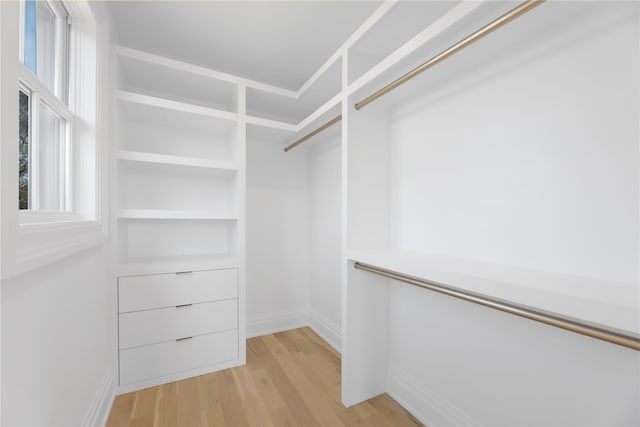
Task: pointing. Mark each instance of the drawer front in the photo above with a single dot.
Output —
(167, 324)
(168, 290)
(156, 360)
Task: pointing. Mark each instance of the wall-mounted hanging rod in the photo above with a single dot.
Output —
(626, 340)
(315, 132)
(504, 19)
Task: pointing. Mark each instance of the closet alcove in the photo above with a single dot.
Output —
(456, 177)
(460, 176)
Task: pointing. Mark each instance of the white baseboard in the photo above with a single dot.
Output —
(423, 403)
(270, 323)
(329, 331)
(100, 408)
(128, 388)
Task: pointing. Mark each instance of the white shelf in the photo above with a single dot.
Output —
(157, 79)
(164, 159)
(273, 124)
(137, 98)
(173, 214)
(612, 304)
(294, 110)
(158, 265)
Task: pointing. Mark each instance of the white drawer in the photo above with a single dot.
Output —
(168, 290)
(165, 324)
(156, 360)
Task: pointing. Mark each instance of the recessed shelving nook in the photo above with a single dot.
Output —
(439, 193)
(179, 219)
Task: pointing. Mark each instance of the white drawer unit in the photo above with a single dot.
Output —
(156, 360)
(166, 324)
(137, 293)
(172, 326)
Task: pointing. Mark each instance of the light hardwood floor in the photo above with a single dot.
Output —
(291, 378)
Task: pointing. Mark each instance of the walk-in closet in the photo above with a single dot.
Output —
(320, 213)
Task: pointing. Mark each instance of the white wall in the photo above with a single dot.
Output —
(293, 236)
(325, 286)
(523, 151)
(278, 238)
(58, 324)
(539, 144)
(456, 363)
(56, 347)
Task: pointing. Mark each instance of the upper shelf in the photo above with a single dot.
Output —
(612, 304)
(294, 110)
(307, 129)
(174, 214)
(400, 24)
(370, 72)
(174, 132)
(165, 82)
(168, 104)
(164, 159)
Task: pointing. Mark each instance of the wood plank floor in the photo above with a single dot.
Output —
(291, 378)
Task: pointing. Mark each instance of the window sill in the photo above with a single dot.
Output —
(48, 219)
(41, 240)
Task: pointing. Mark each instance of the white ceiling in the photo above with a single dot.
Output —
(276, 42)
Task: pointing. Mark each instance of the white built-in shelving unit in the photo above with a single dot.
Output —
(179, 220)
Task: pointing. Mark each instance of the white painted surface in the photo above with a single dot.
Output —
(176, 214)
(154, 130)
(368, 207)
(58, 323)
(154, 326)
(56, 340)
(180, 161)
(278, 321)
(278, 235)
(282, 201)
(540, 146)
(293, 110)
(250, 39)
(386, 35)
(165, 290)
(521, 155)
(294, 246)
(608, 303)
(152, 79)
(484, 367)
(365, 336)
(169, 104)
(142, 363)
(326, 232)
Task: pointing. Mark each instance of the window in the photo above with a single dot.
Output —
(54, 96)
(23, 149)
(44, 113)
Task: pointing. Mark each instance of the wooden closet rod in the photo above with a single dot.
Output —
(626, 340)
(315, 132)
(503, 20)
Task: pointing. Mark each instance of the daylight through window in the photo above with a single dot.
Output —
(44, 114)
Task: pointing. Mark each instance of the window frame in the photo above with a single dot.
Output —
(57, 99)
(62, 35)
(30, 239)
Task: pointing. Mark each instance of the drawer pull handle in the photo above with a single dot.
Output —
(184, 339)
(183, 305)
(184, 272)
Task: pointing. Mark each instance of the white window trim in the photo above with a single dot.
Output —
(31, 239)
(56, 99)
